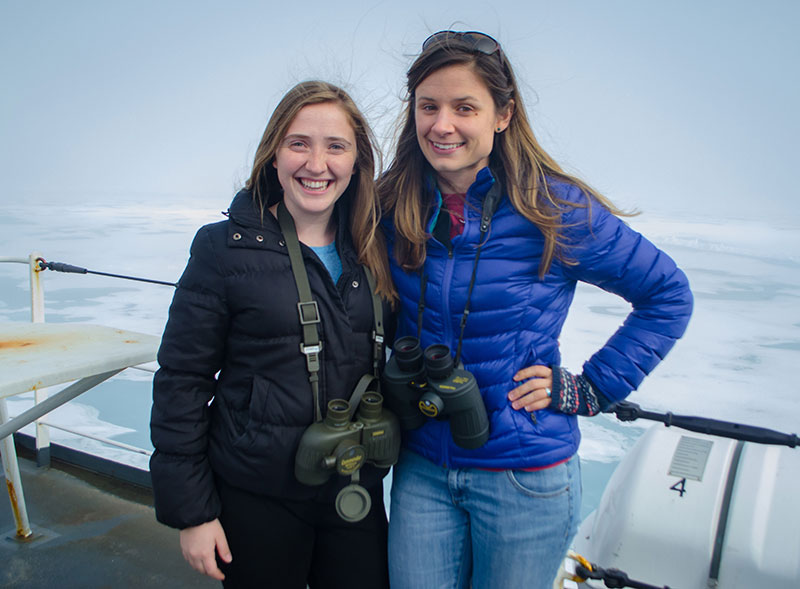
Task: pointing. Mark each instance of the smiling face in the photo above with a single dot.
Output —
(456, 121)
(315, 161)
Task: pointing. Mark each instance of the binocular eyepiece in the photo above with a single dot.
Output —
(420, 385)
(342, 443)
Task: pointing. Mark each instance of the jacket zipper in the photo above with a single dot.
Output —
(447, 336)
(447, 281)
(450, 337)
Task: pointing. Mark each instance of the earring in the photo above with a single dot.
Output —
(499, 129)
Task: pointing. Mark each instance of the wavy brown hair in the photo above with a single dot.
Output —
(525, 165)
(360, 196)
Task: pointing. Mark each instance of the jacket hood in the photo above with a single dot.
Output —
(244, 210)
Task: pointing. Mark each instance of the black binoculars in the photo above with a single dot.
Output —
(418, 386)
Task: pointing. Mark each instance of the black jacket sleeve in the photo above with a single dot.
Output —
(191, 353)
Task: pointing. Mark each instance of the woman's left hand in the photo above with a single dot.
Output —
(533, 394)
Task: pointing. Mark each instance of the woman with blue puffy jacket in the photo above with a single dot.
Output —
(488, 238)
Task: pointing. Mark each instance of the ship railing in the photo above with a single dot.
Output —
(42, 435)
(42, 425)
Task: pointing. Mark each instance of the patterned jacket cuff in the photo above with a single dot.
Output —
(575, 395)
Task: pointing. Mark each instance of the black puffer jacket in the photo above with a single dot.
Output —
(233, 339)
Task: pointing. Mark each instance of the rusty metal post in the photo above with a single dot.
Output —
(37, 292)
(40, 395)
(8, 452)
(13, 481)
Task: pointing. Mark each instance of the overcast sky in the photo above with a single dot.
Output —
(685, 107)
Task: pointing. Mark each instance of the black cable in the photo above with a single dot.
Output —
(613, 578)
(69, 268)
(628, 411)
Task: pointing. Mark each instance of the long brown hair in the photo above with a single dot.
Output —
(526, 166)
(360, 195)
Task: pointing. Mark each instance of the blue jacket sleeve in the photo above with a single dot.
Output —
(607, 253)
(191, 353)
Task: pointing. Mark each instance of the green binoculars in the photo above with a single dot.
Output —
(342, 443)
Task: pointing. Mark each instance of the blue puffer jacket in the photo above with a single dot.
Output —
(516, 318)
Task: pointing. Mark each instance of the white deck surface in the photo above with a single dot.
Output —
(36, 355)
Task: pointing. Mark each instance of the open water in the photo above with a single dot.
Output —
(736, 362)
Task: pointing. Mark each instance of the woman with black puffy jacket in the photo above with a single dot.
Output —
(239, 381)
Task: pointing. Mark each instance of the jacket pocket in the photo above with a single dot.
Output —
(251, 422)
(272, 418)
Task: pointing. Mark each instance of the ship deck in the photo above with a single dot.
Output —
(89, 530)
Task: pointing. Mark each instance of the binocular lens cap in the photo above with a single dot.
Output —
(353, 503)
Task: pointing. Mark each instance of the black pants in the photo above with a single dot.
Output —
(279, 543)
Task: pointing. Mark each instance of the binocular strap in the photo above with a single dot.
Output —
(307, 307)
(490, 202)
(363, 385)
(308, 311)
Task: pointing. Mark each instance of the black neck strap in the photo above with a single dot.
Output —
(377, 319)
(308, 310)
(490, 202)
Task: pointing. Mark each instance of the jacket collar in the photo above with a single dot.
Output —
(484, 180)
(246, 214)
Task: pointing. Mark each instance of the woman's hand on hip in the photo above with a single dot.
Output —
(534, 393)
(200, 544)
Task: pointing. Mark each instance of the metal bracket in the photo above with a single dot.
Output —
(312, 356)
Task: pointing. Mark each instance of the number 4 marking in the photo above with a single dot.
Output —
(680, 486)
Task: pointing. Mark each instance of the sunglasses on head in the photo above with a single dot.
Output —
(475, 40)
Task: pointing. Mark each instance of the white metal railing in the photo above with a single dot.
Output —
(43, 404)
(114, 443)
(42, 433)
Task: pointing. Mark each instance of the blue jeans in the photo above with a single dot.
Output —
(450, 527)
